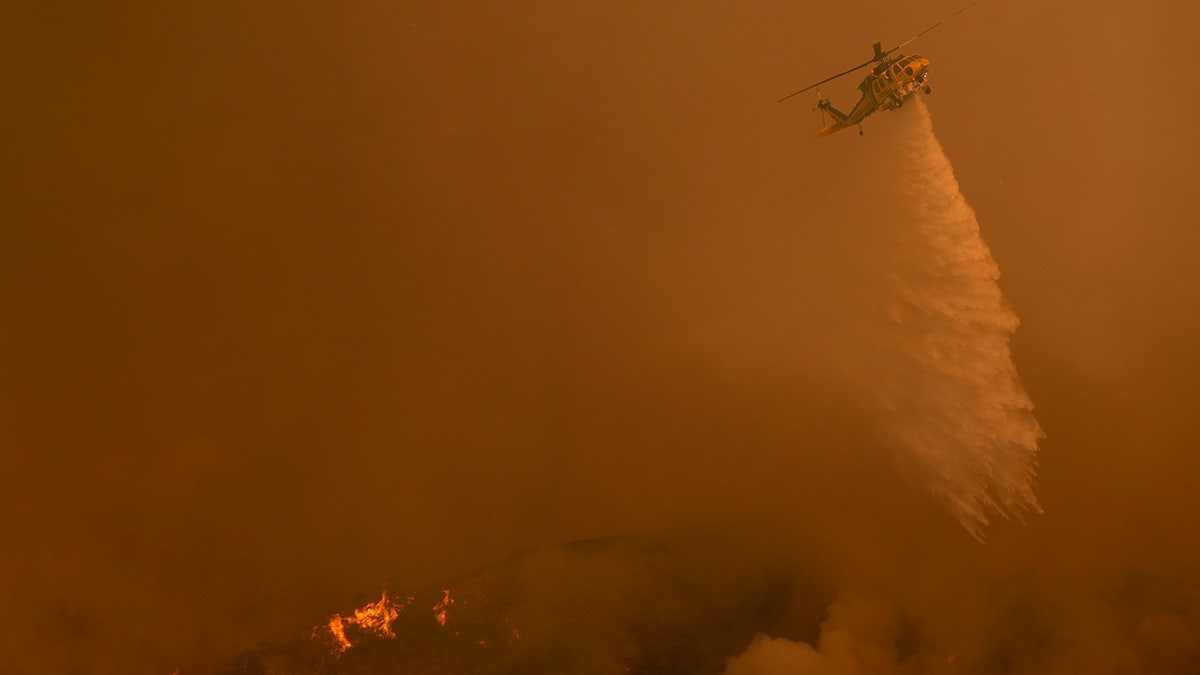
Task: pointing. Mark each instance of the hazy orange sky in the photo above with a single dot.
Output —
(300, 300)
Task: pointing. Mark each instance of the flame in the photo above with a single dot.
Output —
(439, 610)
(375, 617)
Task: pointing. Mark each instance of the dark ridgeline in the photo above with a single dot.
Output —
(615, 604)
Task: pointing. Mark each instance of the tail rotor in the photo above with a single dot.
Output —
(822, 104)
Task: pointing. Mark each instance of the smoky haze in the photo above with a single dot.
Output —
(300, 302)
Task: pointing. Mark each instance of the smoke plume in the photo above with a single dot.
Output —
(858, 637)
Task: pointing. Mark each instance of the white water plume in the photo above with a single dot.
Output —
(954, 399)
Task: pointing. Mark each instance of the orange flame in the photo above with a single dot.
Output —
(375, 617)
(439, 610)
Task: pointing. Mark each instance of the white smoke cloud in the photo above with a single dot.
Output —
(858, 638)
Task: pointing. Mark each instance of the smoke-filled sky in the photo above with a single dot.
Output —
(300, 300)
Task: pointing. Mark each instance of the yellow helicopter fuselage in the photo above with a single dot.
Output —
(884, 88)
(890, 81)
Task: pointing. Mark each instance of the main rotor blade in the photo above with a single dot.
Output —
(960, 11)
(882, 54)
(813, 86)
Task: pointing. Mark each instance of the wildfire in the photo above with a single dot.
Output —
(375, 617)
(439, 610)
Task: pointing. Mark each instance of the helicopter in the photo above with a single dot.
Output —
(889, 82)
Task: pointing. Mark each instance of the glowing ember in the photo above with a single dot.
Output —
(439, 610)
(376, 617)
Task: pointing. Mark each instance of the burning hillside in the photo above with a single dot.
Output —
(607, 605)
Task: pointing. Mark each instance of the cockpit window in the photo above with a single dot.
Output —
(909, 71)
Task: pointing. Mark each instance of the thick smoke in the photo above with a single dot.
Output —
(947, 378)
(937, 351)
(857, 638)
(1132, 622)
(303, 300)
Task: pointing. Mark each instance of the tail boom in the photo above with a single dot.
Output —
(842, 119)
